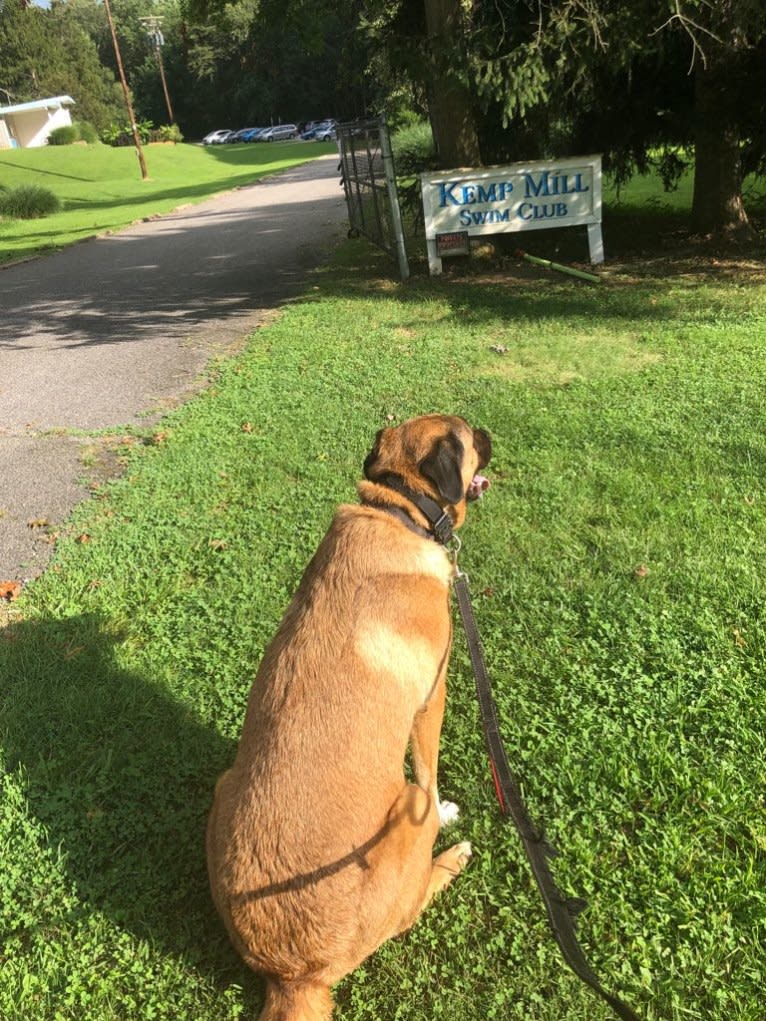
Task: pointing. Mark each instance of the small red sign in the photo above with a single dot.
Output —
(454, 243)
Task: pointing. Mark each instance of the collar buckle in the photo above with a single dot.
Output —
(442, 528)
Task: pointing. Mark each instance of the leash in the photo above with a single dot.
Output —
(561, 910)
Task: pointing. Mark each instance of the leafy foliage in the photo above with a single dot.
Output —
(120, 134)
(44, 52)
(88, 132)
(550, 78)
(413, 149)
(167, 133)
(414, 154)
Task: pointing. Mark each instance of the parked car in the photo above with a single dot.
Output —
(224, 137)
(215, 136)
(319, 130)
(278, 132)
(326, 132)
(253, 135)
(241, 135)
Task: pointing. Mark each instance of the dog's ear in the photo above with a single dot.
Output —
(443, 467)
(483, 445)
(373, 456)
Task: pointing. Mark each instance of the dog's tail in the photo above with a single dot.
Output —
(296, 1001)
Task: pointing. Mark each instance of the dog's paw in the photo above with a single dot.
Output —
(448, 812)
(449, 864)
(464, 853)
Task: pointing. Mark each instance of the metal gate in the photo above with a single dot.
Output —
(369, 182)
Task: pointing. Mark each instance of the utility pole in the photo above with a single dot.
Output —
(152, 27)
(126, 93)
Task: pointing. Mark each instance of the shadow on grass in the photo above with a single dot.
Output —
(121, 775)
(192, 193)
(246, 152)
(48, 173)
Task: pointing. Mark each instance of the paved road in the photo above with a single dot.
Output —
(113, 331)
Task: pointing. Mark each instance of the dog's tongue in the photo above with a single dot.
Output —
(479, 484)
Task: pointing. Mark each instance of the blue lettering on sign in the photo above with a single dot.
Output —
(452, 193)
(546, 211)
(537, 185)
(445, 194)
(548, 184)
(481, 217)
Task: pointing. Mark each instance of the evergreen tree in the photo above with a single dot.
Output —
(634, 81)
(44, 53)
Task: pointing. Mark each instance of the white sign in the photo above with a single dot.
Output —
(521, 196)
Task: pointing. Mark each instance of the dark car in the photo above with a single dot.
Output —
(241, 135)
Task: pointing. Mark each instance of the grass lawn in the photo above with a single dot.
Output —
(101, 187)
(618, 566)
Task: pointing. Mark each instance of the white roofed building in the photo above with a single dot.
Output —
(26, 125)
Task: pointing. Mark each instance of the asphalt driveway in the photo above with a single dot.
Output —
(114, 331)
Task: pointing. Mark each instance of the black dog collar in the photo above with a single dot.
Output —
(436, 516)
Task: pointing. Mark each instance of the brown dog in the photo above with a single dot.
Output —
(318, 849)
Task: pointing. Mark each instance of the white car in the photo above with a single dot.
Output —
(216, 136)
(277, 132)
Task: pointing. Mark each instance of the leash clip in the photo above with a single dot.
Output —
(453, 547)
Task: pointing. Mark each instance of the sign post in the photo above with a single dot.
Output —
(520, 196)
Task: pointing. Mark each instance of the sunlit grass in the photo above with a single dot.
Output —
(618, 567)
(101, 187)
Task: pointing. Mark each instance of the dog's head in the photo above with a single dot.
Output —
(435, 454)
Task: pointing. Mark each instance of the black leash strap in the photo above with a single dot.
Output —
(561, 910)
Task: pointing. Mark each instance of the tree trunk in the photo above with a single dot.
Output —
(450, 106)
(717, 203)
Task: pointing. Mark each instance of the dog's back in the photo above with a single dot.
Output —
(320, 761)
(318, 849)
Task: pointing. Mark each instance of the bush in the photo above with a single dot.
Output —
(28, 202)
(121, 134)
(65, 135)
(414, 150)
(87, 132)
(167, 133)
(80, 131)
(414, 153)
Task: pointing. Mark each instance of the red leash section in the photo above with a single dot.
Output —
(561, 910)
(498, 787)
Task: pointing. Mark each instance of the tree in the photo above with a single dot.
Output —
(450, 103)
(43, 53)
(636, 81)
(137, 52)
(257, 62)
(729, 46)
(693, 80)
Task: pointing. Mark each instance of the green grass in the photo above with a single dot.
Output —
(645, 217)
(101, 187)
(619, 571)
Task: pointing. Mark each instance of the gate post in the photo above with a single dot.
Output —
(393, 198)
